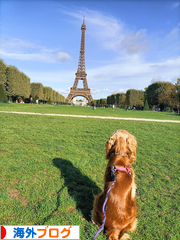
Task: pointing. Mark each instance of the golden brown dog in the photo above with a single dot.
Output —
(121, 204)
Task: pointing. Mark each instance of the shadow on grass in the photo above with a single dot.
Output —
(80, 187)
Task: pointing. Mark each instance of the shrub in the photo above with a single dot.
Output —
(146, 106)
(154, 107)
(168, 109)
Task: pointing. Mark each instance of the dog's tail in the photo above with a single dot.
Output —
(125, 236)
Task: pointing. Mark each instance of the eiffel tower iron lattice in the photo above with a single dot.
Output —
(81, 72)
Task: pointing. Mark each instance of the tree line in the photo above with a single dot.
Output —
(162, 95)
(17, 85)
(158, 95)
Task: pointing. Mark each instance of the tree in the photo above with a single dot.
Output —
(45, 92)
(63, 99)
(176, 94)
(97, 102)
(48, 94)
(2, 73)
(109, 100)
(17, 84)
(123, 100)
(2, 93)
(11, 85)
(25, 86)
(177, 86)
(153, 91)
(135, 98)
(166, 96)
(57, 97)
(120, 99)
(103, 101)
(169, 96)
(54, 96)
(113, 99)
(117, 99)
(37, 90)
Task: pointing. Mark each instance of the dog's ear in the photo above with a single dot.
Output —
(131, 147)
(111, 142)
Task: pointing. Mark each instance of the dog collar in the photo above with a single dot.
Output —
(123, 169)
(121, 154)
(114, 169)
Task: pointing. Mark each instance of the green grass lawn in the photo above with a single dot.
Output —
(67, 109)
(52, 168)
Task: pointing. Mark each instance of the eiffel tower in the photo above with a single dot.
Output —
(81, 72)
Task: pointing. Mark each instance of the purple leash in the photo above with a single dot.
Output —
(104, 207)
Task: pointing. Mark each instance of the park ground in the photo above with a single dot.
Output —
(52, 167)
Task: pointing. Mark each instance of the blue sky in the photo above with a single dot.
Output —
(128, 44)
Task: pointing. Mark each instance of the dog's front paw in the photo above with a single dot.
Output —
(125, 236)
(114, 235)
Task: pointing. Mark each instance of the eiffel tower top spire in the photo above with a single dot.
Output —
(83, 25)
(81, 64)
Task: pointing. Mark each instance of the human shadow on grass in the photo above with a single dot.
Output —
(80, 187)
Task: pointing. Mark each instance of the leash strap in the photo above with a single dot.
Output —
(104, 208)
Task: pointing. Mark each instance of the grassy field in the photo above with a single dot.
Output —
(52, 167)
(67, 109)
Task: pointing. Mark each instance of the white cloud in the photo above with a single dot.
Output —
(133, 72)
(175, 33)
(60, 77)
(128, 66)
(16, 44)
(112, 34)
(40, 56)
(158, 79)
(64, 92)
(15, 48)
(118, 91)
(62, 57)
(175, 5)
(134, 43)
(99, 76)
(106, 89)
(95, 90)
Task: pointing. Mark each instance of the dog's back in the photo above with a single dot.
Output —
(121, 205)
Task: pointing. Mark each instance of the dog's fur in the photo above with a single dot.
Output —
(121, 204)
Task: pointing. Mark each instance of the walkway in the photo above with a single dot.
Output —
(100, 117)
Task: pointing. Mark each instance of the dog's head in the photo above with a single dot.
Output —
(121, 142)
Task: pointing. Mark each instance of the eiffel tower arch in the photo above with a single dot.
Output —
(81, 72)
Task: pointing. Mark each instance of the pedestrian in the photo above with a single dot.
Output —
(93, 107)
(37, 101)
(113, 107)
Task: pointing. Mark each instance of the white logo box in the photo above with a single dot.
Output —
(71, 232)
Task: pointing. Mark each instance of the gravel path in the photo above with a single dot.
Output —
(100, 117)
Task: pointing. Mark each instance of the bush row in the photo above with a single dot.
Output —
(16, 85)
(158, 95)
